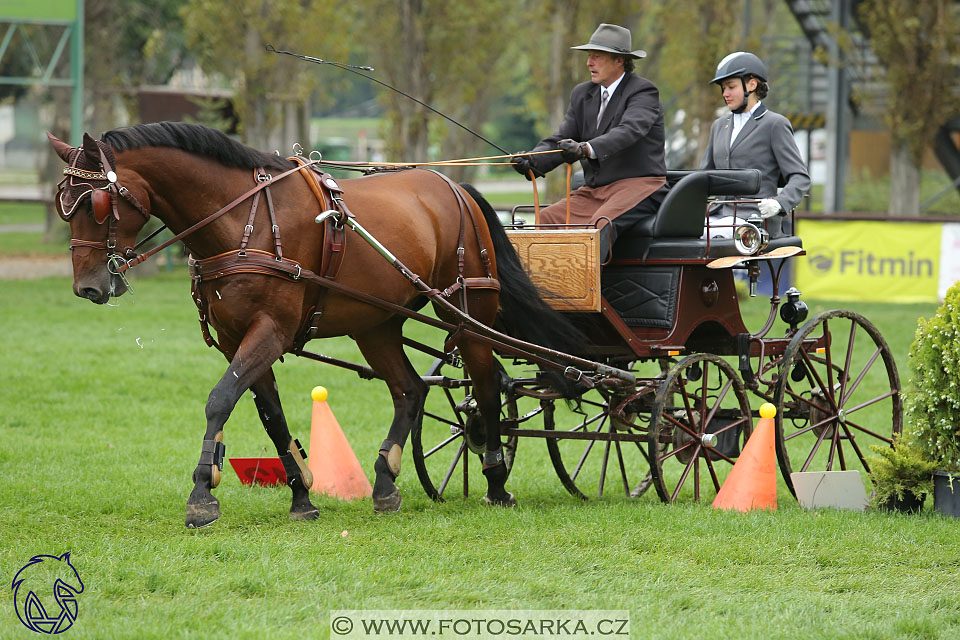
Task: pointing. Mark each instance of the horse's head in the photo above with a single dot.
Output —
(104, 213)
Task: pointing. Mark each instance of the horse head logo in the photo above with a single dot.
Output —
(820, 259)
(39, 577)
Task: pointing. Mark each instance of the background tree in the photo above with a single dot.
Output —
(228, 39)
(699, 34)
(454, 56)
(918, 42)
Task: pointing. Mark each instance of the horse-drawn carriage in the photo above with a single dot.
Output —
(666, 306)
(655, 392)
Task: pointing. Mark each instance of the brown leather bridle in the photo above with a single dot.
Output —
(103, 200)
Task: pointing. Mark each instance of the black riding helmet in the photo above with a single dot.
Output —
(740, 64)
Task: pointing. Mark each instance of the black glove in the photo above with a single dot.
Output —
(524, 165)
(572, 151)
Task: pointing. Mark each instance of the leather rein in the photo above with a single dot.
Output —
(261, 184)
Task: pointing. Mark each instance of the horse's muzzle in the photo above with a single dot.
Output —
(94, 295)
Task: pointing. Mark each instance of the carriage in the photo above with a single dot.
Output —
(657, 393)
(666, 307)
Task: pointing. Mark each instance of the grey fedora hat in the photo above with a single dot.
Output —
(613, 39)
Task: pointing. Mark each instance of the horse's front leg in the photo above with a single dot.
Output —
(258, 350)
(267, 398)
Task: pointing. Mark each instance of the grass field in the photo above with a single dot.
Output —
(101, 419)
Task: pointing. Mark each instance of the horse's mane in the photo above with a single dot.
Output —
(193, 138)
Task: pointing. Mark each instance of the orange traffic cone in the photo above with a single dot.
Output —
(752, 483)
(336, 470)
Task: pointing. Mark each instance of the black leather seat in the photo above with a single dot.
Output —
(674, 232)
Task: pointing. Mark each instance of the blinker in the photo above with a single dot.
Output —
(102, 205)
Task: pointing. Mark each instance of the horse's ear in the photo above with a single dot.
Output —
(62, 148)
(90, 148)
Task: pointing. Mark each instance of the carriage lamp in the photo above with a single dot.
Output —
(751, 236)
(794, 310)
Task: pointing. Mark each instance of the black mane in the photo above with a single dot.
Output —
(193, 138)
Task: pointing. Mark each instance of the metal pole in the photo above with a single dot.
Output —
(76, 77)
(838, 116)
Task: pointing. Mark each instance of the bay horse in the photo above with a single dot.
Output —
(246, 284)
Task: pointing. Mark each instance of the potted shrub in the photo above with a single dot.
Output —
(933, 403)
(903, 475)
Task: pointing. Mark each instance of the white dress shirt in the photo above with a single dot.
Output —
(740, 119)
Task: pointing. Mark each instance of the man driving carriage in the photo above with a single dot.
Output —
(614, 127)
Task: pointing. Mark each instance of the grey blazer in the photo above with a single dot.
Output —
(629, 141)
(766, 143)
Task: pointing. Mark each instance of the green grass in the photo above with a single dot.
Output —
(20, 213)
(101, 418)
(28, 243)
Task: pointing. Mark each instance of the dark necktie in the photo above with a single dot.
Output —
(603, 104)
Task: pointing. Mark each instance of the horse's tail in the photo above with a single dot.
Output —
(523, 312)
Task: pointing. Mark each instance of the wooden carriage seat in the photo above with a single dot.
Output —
(674, 232)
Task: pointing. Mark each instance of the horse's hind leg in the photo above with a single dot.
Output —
(383, 350)
(267, 398)
(478, 361)
(260, 347)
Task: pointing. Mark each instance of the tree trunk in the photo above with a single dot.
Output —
(413, 131)
(254, 109)
(51, 166)
(904, 181)
(558, 93)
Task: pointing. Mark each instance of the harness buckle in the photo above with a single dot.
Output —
(264, 177)
(296, 276)
(248, 228)
(242, 253)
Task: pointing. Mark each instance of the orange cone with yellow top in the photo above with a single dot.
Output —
(336, 470)
(752, 483)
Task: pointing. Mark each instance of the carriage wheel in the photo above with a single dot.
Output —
(452, 433)
(586, 467)
(701, 418)
(838, 392)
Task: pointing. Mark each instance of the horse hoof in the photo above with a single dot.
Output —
(309, 514)
(389, 503)
(508, 501)
(202, 515)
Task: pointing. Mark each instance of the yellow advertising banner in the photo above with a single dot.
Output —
(869, 260)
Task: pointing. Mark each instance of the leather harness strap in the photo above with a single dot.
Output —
(260, 262)
(256, 261)
(202, 223)
(334, 242)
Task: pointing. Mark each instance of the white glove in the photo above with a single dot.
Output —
(769, 207)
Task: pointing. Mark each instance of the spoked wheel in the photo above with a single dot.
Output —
(838, 392)
(453, 433)
(587, 467)
(701, 419)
